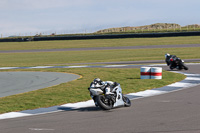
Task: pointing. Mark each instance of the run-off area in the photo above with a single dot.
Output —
(12, 83)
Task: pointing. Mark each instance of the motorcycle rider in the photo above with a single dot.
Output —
(105, 86)
(169, 59)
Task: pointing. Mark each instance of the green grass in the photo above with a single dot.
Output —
(59, 58)
(98, 43)
(76, 90)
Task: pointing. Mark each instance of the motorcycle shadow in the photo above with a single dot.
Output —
(84, 109)
(176, 70)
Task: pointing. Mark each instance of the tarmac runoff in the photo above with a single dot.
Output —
(12, 83)
(191, 80)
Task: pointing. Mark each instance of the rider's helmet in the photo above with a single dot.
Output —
(98, 83)
(167, 55)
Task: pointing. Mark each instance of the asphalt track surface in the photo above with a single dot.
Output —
(19, 82)
(176, 112)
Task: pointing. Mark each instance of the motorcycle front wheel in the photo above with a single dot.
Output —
(183, 65)
(103, 102)
(186, 68)
(127, 101)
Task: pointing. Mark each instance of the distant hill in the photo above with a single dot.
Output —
(192, 26)
(156, 26)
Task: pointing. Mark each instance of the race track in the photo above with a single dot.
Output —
(176, 112)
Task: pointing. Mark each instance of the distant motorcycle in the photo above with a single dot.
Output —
(110, 101)
(178, 64)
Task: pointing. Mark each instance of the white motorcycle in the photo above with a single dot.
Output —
(107, 102)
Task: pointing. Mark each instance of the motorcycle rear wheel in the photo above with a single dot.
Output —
(103, 102)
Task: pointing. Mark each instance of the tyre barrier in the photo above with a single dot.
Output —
(145, 72)
(156, 73)
(151, 73)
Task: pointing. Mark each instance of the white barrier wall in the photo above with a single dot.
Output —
(151, 73)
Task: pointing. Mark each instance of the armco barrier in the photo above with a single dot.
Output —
(151, 73)
(109, 36)
(113, 36)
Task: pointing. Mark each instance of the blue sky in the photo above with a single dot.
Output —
(29, 17)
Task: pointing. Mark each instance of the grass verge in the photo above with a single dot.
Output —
(76, 90)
